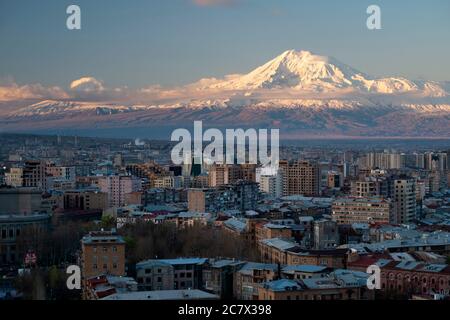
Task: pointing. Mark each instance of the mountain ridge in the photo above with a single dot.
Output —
(297, 91)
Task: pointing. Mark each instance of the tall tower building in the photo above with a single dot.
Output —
(300, 177)
(403, 192)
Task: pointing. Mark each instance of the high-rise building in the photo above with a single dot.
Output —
(436, 161)
(272, 185)
(34, 174)
(118, 160)
(370, 187)
(300, 178)
(385, 160)
(218, 175)
(403, 193)
(117, 187)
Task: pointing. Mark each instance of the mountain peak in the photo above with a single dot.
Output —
(295, 70)
(295, 53)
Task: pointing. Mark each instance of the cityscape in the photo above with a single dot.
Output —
(141, 228)
(224, 155)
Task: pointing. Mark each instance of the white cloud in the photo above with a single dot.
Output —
(14, 92)
(87, 84)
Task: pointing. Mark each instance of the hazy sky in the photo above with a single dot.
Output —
(170, 42)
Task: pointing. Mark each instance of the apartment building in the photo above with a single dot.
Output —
(117, 187)
(240, 196)
(177, 274)
(300, 178)
(362, 210)
(102, 252)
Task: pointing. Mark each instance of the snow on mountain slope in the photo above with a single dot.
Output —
(297, 91)
(304, 71)
(49, 107)
(292, 69)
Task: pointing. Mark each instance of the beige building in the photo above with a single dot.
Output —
(300, 178)
(102, 252)
(168, 182)
(83, 200)
(266, 230)
(223, 174)
(14, 177)
(362, 210)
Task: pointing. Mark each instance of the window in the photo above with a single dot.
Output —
(159, 279)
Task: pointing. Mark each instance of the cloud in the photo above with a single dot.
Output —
(87, 84)
(91, 89)
(14, 92)
(211, 3)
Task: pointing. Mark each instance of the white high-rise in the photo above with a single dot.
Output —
(272, 185)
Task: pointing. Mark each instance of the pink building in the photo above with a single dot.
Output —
(117, 187)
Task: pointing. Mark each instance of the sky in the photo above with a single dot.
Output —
(139, 43)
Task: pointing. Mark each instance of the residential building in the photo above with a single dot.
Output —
(117, 187)
(362, 210)
(300, 178)
(185, 273)
(102, 252)
(325, 234)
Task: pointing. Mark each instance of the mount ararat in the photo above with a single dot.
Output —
(301, 93)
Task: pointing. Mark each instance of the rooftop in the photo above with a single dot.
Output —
(164, 295)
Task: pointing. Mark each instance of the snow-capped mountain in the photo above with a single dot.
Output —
(304, 71)
(297, 91)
